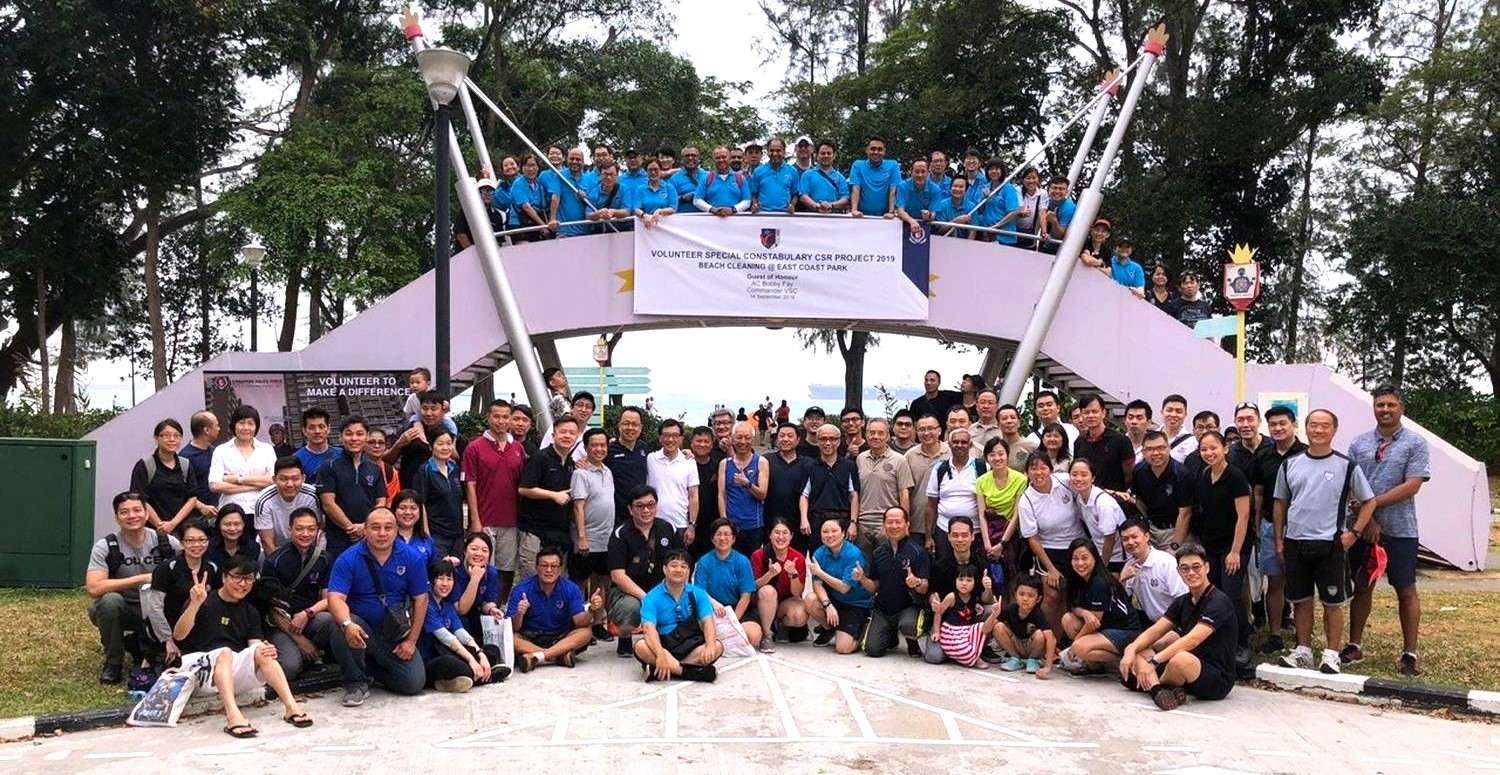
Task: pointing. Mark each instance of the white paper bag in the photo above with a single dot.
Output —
(731, 633)
(163, 703)
(498, 633)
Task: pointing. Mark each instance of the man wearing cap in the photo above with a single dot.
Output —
(804, 152)
(633, 177)
(461, 232)
(812, 420)
(1126, 271)
(774, 183)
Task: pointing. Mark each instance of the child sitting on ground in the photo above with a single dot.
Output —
(1024, 634)
(964, 624)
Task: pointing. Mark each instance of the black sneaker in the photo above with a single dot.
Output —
(701, 673)
(601, 634)
(988, 654)
(649, 672)
(111, 675)
(1272, 645)
(1407, 665)
(625, 647)
(1351, 654)
(825, 636)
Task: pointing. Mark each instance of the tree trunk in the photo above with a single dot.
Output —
(315, 283)
(205, 322)
(1304, 243)
(41, 328)
(64, 398)
(617, 400)
(153, 290)
(289, 310)
(853, 353)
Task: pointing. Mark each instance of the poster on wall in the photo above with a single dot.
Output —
(782, 267)
(281, 397)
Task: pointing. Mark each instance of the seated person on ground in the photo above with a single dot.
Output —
(727, 578)
(231, 537)
(1200, 660)
(548, 614)
(677, 622)
(1023, 632)
(223, 644)
(637, 556)
(840, 604)
(965, 622)
(369, 581)
(299, 570)
(453, 660)
(172, 582)
(781, 574)
(477, 582)
(1100, 619)
(118, 565)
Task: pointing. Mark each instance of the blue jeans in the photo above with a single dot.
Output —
(378, 658)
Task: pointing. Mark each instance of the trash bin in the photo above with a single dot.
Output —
(47, 519)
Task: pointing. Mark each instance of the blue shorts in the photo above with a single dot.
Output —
(1400, 560)
(1120, 638)
(1268, 562)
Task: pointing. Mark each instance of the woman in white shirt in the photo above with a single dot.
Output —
(243, 467)
(1048, 513)
(1100, 512)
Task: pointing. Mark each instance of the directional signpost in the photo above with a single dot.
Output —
(611, 380)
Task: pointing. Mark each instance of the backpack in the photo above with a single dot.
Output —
(183, 465)
(945, 468)
(114, 558)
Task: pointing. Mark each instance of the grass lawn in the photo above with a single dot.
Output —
(52, 654)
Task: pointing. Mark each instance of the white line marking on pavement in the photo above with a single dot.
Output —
(857, 711)
(1388, 760)
(788, 724)
(340, 748)
(118, 755)
(57, 756)
(1178, 712)
(9, 757)
(951, 725)
(991, 673)
(561, 730)
(575, 742)
(669, 719)
(1472, 757)
(1278, 754)
(1170, 749)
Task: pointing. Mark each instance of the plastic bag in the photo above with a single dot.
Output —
(731, 633)
(498, 633)
(163, 704)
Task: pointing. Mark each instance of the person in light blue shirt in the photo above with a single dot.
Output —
(724, 191)
(528, 195)
(1059, 213)
(677, 619)
(823, 189)
(872, 182)
(953, 208)
(1126, 271)
(687, 177)
(654, 200)
(774, 183)
(557, 158)
(916, 197)
(609, 198)
(568, 196)
(937, 171)
(842, 604)
(634, 175)
(994, 208)
(501, 201)
(602, 154)
(727, 578)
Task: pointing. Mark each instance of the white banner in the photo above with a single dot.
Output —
(781, 267)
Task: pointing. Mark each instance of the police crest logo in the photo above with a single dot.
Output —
(400, 570)
(663, 542)
(769, 238)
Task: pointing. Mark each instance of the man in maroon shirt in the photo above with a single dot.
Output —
(491, 470)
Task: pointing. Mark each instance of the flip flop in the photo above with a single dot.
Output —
(241, 731)
(300, 721)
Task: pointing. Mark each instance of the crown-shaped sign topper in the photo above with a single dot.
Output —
(1243, 254)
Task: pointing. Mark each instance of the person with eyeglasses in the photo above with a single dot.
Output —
(163, 603)
(225, 647)
(1281, 423)
(1199, 631)
(1394, 459)
(637, 554)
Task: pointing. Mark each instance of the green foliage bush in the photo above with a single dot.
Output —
(23, 421)
(1467, 420)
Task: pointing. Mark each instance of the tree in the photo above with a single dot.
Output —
(852, 346)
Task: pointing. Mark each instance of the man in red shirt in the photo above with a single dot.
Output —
(491, 470)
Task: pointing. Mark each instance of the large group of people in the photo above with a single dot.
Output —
(566, 195)
(949, 532)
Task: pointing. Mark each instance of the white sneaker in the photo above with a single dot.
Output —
(1331, 662)
(1069, 662)
(1300, 657)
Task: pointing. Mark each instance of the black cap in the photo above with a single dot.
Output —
(814, 411)
(1123, 241)
(629, 152)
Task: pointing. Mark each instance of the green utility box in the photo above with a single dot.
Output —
(47, 520)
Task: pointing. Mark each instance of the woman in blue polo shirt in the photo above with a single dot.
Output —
(654, 200)
(411, 526)
(528, 195)
(454, 661)
(726, 576)
(478, 582)
(441, 488)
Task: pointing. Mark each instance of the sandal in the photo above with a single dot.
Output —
(241, 731)
(300, 720)
(1165, 697)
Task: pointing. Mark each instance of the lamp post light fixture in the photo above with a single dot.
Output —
(444, 71)
(253, 255)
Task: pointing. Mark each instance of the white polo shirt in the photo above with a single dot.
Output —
(1052, 517)
(1156, 583)
(672, 478)
(1103, 516)
(955, 492)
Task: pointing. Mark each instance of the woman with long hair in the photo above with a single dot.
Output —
(1055, 445)
(1101, 619)
(780, 578)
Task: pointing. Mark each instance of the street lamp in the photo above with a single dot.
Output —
(444, 71)
(253, 255)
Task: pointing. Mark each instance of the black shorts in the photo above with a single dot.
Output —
(1316, 565)
(543, 640)
(852, 619)
(1060, 559)
(1212, 683)
(681, 641)
(582, 566)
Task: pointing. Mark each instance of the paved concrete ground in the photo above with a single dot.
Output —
(800, 710)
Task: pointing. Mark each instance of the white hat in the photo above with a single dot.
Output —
(487, 182)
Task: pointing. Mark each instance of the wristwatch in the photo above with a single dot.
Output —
(346, 623)
(827, 603)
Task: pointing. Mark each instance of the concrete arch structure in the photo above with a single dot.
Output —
(1103, 339)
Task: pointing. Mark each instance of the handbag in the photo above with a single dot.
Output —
(397, 623)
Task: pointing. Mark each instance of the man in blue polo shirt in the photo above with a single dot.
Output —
(823, 189)
(677, 619)
(1059, 212)
(603, 154)
(1125, 271)
(315, 449)
(687, 177)
(349, 486)
(937, 171)
(724, 191)
(775, 182)
(609, 199)
(917, 197)
(550, 619)
(568, 202)
(872, 182)
(841, 605)
(633, 177)
(377, 575)
(898, 581)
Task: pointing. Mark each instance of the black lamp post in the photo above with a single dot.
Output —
(444, 71)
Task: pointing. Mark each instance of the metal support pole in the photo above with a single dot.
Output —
(1088, 206)
(254, 310)
(1111, 84)
(441, 305)
(476, 133)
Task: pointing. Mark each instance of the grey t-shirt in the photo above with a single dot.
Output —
(1311, 486)
(137, 560)
(597, 487)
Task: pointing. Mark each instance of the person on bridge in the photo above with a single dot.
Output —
(916, 197)
(774, 183)
(951, 207)
(1058, 213)
(724, 191)
(529, 196)
(677, 619)
(780, 577)
(1159, 290)
(823, 189)
(898, 580)
(1191, 306)
(937, 170)
(1394, 459)
(994, 205)
(653, 200)
(568, 196)
(685, 179)
(872, 182)
(609, 198)
(1124, 270)
(633, 176)
(1199, 660)
(551, 620)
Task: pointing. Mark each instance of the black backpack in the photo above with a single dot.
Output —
(114, 558)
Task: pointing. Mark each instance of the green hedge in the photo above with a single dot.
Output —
(25, 422)
(1469, 421)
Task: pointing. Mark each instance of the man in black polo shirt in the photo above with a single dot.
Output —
(1251, 442)
(637, 555)
(546, 490)
(1282, 424)
(411, 451)
(934, 400)
(812, 420)
(300, 615)
(789, 472)
(832, 490)
(350, 485)
(898, 580)
(1200, 659)
(1109, 451)
(626, 459)
(1159, 490)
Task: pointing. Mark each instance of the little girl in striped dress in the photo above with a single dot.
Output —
(966, 623)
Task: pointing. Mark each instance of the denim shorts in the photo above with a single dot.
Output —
(1268, 562)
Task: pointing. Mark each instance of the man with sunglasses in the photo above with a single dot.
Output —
(1395, 460)
(1200, 631)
